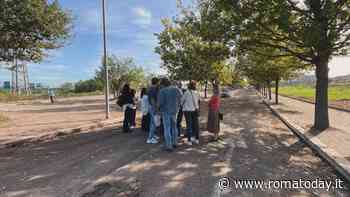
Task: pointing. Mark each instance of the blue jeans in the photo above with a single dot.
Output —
(170, 129)
(152, 124)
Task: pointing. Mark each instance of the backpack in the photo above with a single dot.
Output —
(120, 101)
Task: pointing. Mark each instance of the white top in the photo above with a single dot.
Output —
(145, 105)
(190, 101)
(51, 93)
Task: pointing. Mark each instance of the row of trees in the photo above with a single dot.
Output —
(270, 39)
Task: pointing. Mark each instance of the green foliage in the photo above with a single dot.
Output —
(30, 27)
(121, 71)
(192, 46)
(90, 85)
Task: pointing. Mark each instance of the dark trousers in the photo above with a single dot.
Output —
(178, 122)
(127, 119)
(145, 123)
(192, 124)
(52, 99)
(133, 117)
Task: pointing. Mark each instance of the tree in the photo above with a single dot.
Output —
(122, 71)
(310, 30)
(189, 50)
(31, 27)
(90, 85)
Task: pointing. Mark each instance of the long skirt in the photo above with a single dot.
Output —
(213, 124)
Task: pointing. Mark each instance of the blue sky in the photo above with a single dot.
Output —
(130, 25)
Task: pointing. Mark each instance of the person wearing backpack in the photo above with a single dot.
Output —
(190, 106)
(126, 101)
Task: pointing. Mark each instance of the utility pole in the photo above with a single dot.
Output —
(105, 58)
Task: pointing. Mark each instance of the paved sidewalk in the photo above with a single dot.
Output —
(301, 113)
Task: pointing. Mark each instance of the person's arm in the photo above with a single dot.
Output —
(160, 102)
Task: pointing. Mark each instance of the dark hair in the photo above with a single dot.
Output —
(192, 85)
(165, 82)
(154, 80)
(143, 92)
(133, 92)
(126, 89)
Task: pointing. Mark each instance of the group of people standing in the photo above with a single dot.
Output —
(163, 106)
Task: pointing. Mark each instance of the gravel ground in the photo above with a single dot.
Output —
(254, 145)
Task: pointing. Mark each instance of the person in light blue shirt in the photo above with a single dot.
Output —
(169, 105)
(51, 94)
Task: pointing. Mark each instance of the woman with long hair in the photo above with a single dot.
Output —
(214, 113)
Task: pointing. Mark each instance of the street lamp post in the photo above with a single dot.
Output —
(105, 59)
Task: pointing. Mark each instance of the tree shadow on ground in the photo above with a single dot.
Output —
(263, 149)
(254, 146)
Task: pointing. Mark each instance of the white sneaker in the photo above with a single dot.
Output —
(154, 141)
(149, 141)
(196, 141)
(189, 143)
(193, 139)
(156, 137)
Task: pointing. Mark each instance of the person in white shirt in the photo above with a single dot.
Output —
(190, 106)
(145, 110)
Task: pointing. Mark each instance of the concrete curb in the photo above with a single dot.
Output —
(60, 133)
(338, 162)
(306, 101)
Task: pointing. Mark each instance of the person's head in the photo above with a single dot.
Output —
(192, 85)
(165, 82)
(143, 92)
(133, 92)
(126, 89)
(154, 81)
(179, 84)
(216, 90)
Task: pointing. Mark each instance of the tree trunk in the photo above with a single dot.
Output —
(206, 89)
(269, 88)
(321, 121)
(276, 90)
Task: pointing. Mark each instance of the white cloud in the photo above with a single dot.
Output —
(144, 16)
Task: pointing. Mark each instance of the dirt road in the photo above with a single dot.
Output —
(255, 145)
(37, 118)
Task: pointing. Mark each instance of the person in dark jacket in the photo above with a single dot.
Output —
(127, 100)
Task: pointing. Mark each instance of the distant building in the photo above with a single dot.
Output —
(35, 86)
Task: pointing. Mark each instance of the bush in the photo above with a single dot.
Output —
(91, 85)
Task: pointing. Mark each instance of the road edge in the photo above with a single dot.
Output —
(339, 163)
(60, 133)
